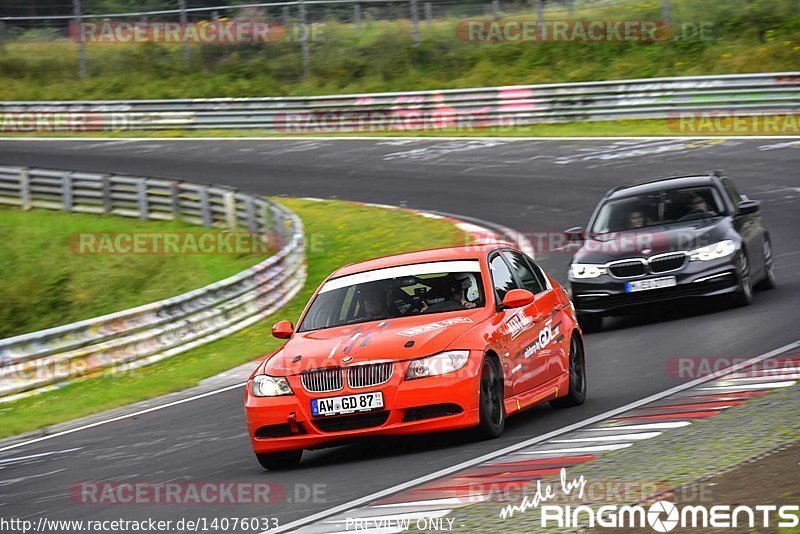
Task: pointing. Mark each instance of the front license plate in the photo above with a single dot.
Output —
(653, 283)
(347, 404)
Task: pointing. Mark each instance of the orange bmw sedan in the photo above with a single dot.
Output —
(425, 341)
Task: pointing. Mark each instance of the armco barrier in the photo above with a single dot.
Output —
(146, 334)
(420, 110)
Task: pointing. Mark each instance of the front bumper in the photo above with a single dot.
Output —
(606, 295)
(431, 404)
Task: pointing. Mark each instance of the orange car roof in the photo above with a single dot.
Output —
(421, 256)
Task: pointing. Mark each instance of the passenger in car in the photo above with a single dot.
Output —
(454, 300)
(698, 205)
(373, 303)
(637, 219)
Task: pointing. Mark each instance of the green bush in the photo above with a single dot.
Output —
(745, 36)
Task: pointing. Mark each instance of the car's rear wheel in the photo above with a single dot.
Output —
(280, 460)
(744, 294)
(577, 378)
(769, 267)
(491, 407)
(590, 322)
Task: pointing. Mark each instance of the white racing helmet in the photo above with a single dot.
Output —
(469, 283)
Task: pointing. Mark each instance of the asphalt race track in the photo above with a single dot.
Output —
(530, 186)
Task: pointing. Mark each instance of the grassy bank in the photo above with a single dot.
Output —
(736, 37)
(47, 283)
(337, 232)
(777, 125)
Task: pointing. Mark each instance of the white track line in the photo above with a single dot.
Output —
(786, 376)
(580, 450)
(614, 437)
(319, 516)
(41, 454)
(747, 387)
(451, 501)
(646, 426)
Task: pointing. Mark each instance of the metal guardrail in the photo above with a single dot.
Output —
(423, 110)
(143, 335)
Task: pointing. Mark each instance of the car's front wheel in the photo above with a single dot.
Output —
(769, 268)
(577, 378)
(280, 460)
(491, 407)
(744, 293)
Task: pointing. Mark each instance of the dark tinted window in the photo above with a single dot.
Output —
(359, 299)
(658, 207)
(502, 278)
(538, 272)
(524, 272)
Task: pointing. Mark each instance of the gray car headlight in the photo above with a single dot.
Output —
(439, 364)
(713, 252)
(270, 386)
(579, 271)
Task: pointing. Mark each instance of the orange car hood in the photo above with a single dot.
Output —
(378, 340)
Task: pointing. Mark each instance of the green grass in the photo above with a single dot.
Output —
(338, 233)
(744, 36)
(619, 128)
(45, 283)
(790, 530)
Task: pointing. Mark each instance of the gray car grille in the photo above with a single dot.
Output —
(358, 376)
(627, 269)
(364, 376)
(321, 380)
(668, 262)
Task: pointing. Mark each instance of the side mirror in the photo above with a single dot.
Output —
(283, 329)
(574, 235)
(749, 206)
(517, 298)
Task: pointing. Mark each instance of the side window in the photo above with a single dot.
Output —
(502, 278)
(538, 272)
(524, 272)
(732, 193)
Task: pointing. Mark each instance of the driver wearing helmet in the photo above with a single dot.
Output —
(373, 302)
(462, 289)
(459, 293)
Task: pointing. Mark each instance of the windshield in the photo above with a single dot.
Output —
(396, 292)
(657, 208)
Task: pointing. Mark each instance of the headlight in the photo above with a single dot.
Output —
(713, 252)
(270, 386)
(585, 270)
(438, 364)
